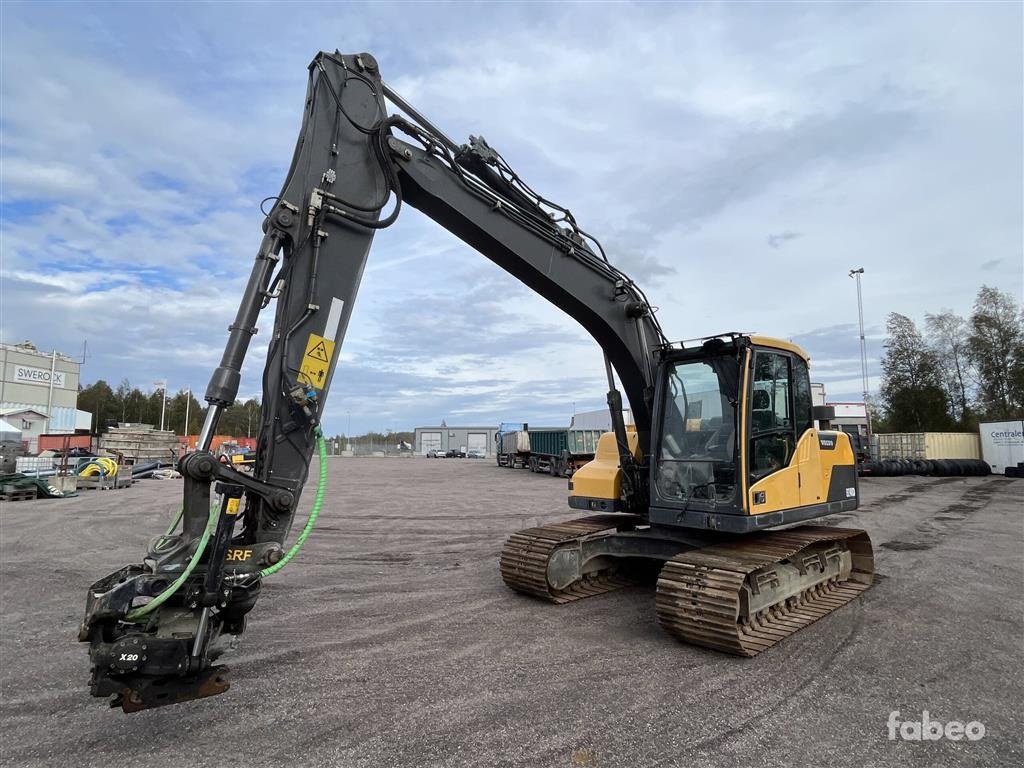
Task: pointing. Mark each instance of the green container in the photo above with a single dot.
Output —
(548, 442)
(584, 441)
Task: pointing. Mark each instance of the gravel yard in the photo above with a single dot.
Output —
(391, 640)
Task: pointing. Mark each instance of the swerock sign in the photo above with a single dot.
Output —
(28, 375)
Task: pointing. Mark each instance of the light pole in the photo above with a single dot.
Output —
(856, 273)
(188, 402)
(162, 385)
(348, 431)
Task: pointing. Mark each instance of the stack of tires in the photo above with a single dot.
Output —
(926, 467)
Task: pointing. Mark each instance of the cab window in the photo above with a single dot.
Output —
(803, 403)
(697, 450)
(772, 426)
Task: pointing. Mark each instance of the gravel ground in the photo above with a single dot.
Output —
(391, 641)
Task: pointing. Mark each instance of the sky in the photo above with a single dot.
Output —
(736, 159)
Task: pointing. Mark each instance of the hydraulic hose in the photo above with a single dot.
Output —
(318, 501)
(144, 610)
(101, 465)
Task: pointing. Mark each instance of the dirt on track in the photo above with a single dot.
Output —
(392, 641)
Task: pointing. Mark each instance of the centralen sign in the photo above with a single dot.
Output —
(38, 376)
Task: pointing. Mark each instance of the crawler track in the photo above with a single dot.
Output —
(701, 593)
(525, 556)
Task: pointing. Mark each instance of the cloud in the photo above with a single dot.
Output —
(777, 241)
(138, 142)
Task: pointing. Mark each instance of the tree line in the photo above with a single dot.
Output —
(129, 404)
(958, 371)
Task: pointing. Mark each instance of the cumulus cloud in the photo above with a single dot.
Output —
(138, 142)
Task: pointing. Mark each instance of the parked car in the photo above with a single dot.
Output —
(435, 454)
(455, 453)
(476, 453)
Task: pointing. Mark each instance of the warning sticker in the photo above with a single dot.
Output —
(317, 360)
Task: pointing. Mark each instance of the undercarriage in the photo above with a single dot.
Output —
(740, 595)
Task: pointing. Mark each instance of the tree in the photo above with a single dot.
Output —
(99, 400)
(912, 392)
(948, 339)
(123, 395)
(996, 348)
(176, 411)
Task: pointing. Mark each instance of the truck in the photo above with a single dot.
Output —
(559, 451)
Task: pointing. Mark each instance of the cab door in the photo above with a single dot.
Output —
(782, 447)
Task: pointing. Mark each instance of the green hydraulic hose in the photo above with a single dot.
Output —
(318, 501)
(144, 610)
(177, 519)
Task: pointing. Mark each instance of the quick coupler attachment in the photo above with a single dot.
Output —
(166, 656)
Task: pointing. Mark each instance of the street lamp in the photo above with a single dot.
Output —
(162, 385)
(856, 273)
(188, 402)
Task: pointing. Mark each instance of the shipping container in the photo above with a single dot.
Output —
(57, 442)
(928, 445)
(1002, 444)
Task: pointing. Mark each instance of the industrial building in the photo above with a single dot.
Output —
(39, 392)
(445, 438)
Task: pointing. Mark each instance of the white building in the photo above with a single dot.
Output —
(45, 383)
(445, 438)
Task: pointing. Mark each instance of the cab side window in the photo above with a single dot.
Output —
(772, 424)
(803, 404)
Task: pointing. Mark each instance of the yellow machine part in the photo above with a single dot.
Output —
(806, 479)
(602, 477)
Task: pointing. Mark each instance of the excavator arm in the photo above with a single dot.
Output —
(157, 628)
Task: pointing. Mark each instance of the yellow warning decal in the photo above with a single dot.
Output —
(317, 360)
(232, 508)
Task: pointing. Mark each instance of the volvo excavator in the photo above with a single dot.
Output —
(713, 483)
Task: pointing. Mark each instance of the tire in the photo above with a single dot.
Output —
(978, 468)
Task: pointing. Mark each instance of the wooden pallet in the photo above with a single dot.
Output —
(97, 483)
(10, 493)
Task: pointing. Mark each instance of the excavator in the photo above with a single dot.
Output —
(713, 484)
